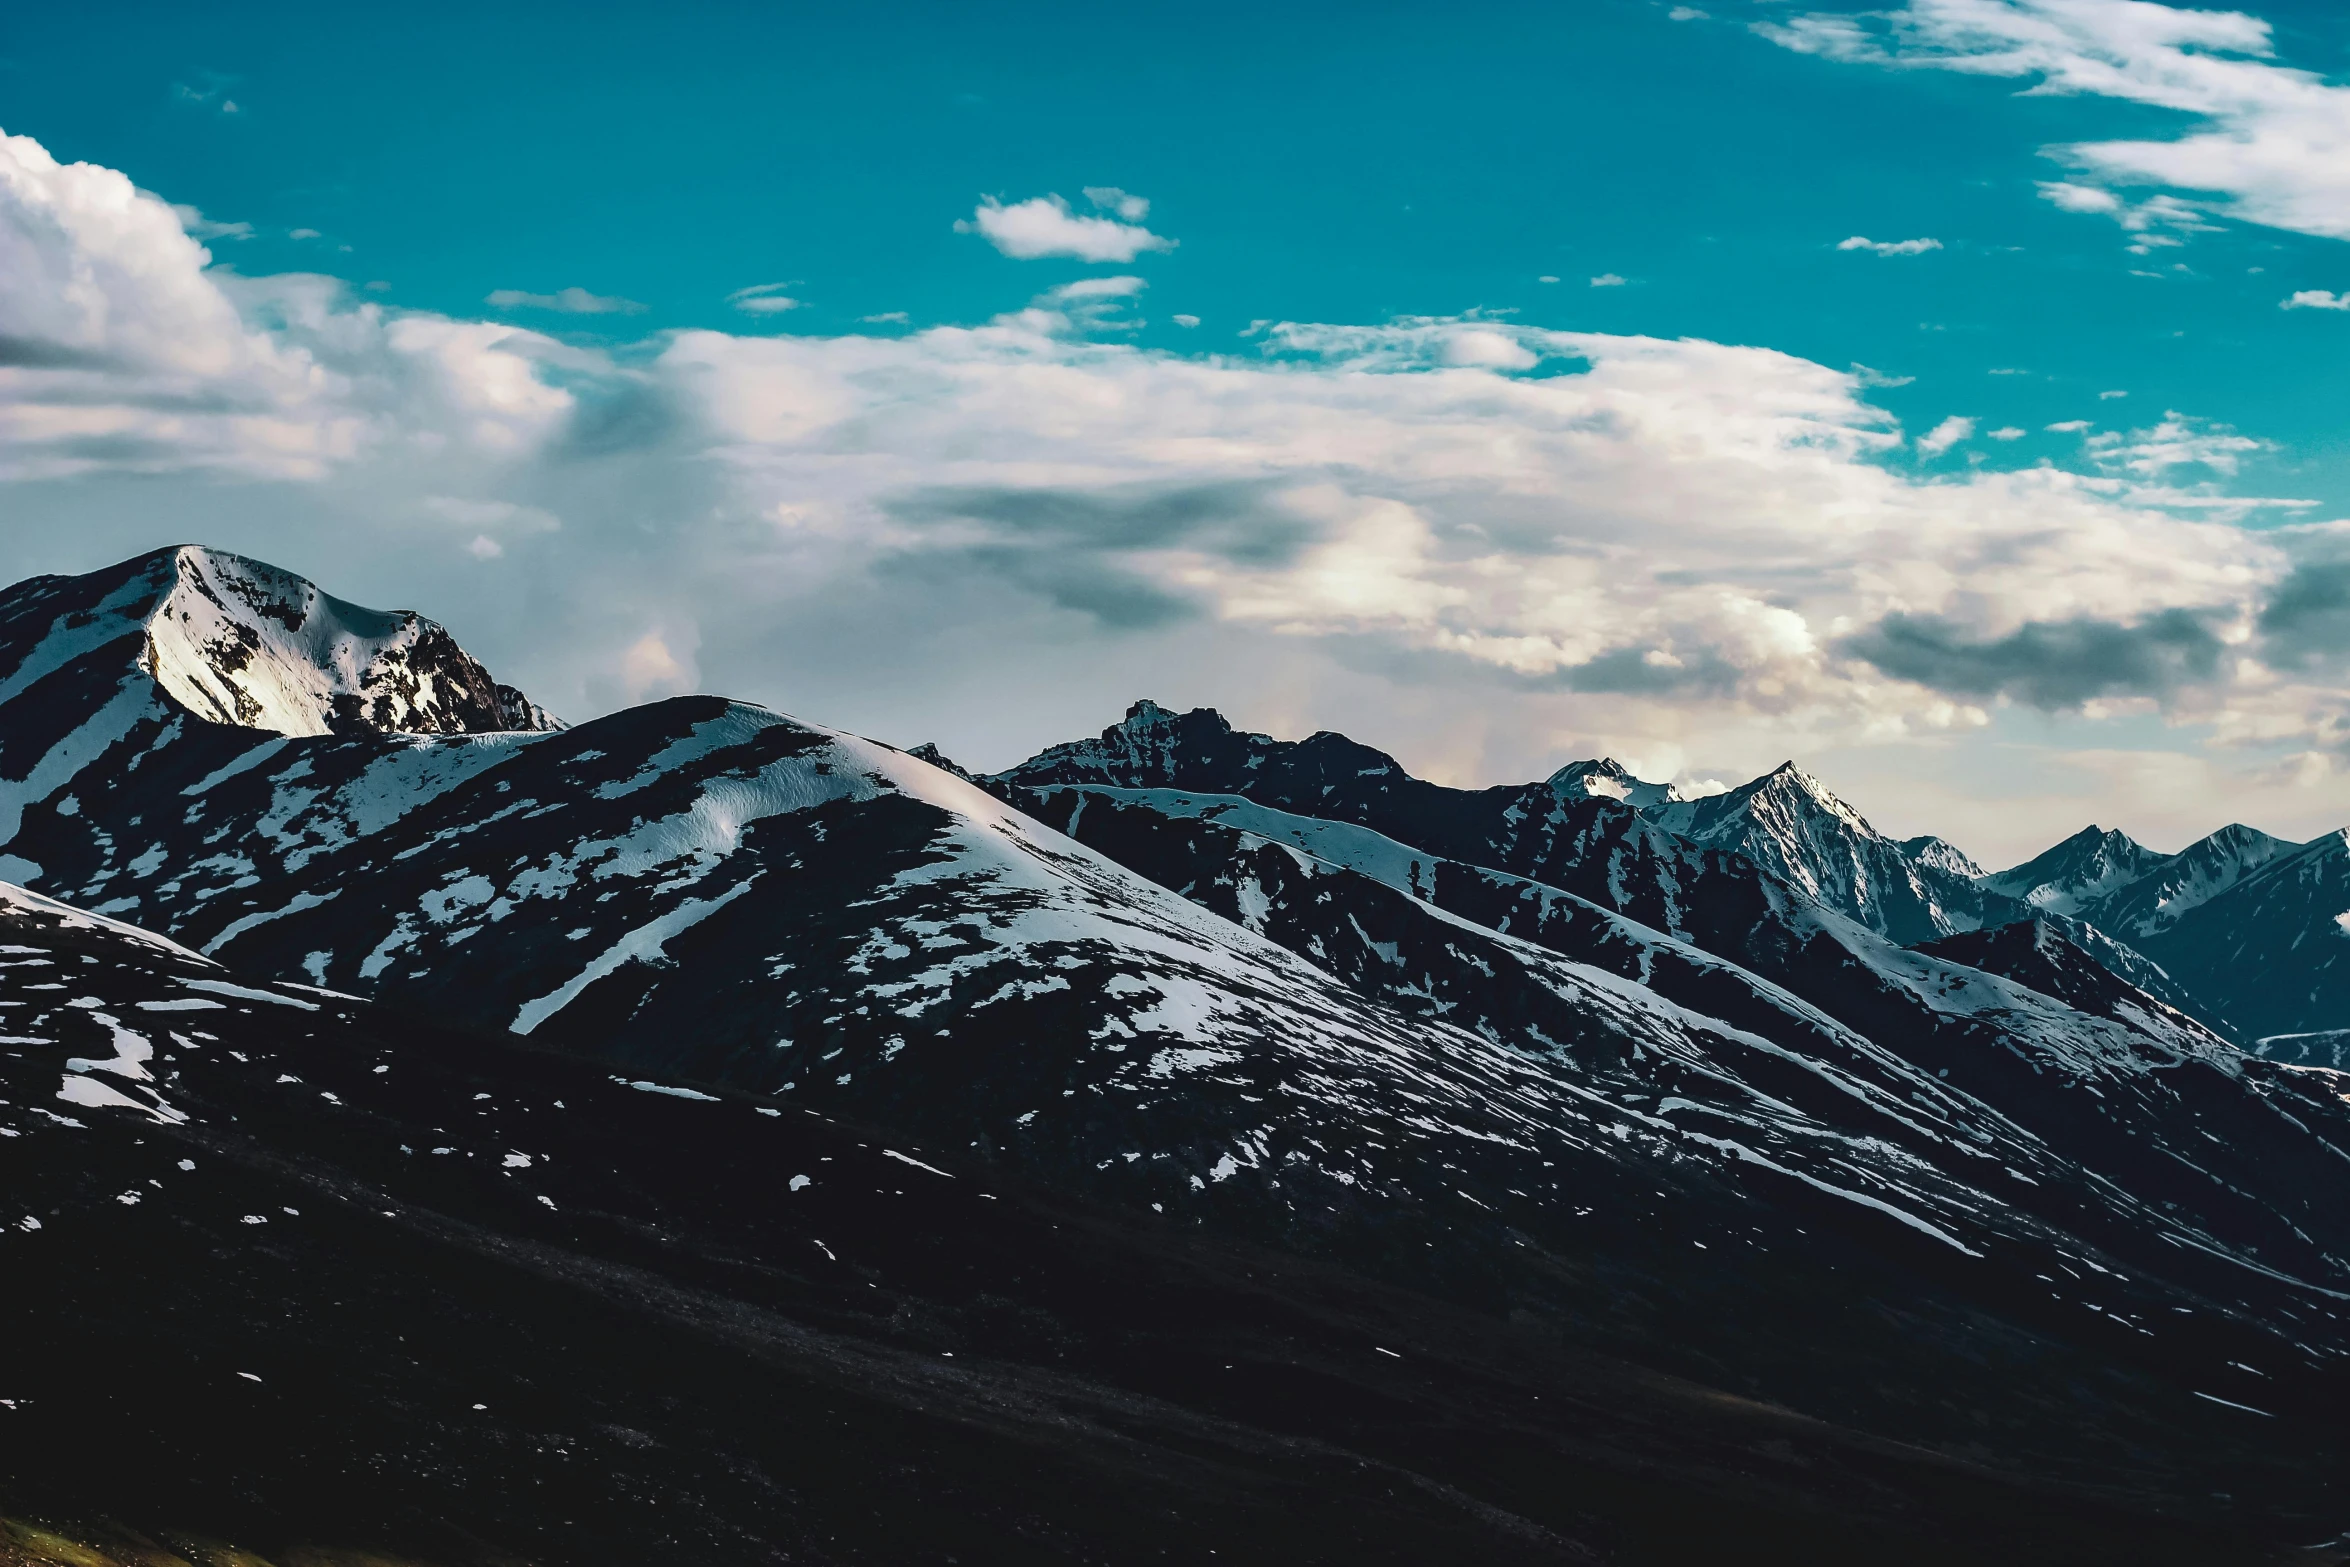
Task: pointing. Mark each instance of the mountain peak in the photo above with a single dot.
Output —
(238, 641)
(2091, 864)
(1609, 779)
(1790, 784)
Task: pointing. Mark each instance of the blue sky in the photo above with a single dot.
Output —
(1614, 169)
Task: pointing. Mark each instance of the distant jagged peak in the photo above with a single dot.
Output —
(2094, 863)
(1942, 855)
(928, 751)
(1609, 779)
(1789, 784)
(238, 641)
(1784, 798)
(1156, 747)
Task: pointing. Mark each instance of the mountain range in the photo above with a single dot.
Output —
(2010, 1207)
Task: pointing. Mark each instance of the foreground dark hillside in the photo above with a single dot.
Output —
(346, 1282)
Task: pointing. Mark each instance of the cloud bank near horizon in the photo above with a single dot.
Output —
(1687, 552)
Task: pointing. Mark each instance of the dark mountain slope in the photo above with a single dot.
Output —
(2269, 953)
(1753, 1145)
(332, 1279)
(2080, 1108)
(2045, 955)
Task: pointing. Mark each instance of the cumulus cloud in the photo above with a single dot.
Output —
(1481, 538)
(2316, 299)
(1046, 226)
(564, 301)
(1604, 280)
(1945, 435)
(2269, 142)
(2007, 433)
(1889, 247)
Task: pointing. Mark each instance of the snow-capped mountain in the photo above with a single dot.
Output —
(2269, 953)
(1793, 826)
(2175, 925)
(1527, 1044)
(1609, 779)
(238, 642)
(1494, 859)
(1941, 855)
(2079, 872)
(2174, 885)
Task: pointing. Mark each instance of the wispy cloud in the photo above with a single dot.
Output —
(887, 318)
(2268, 145)
(564, 301)
(1607, 280)
(1109, 198)
(763, 299)
(1889, 247)
(1046, 226)
(202, 227)
(212, 97)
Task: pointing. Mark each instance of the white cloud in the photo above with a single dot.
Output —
(214, 98)
(1889, 247)
(887, 318)
(2269, 141)
(1109, 198)
(1945, 435)
(763, 299)
(2106, 397)
(2316, 299)
(2006, 433)
(1187, 322)
(2177, 442)
(1546, 278)
(1685, 13)
(564, 301)
(304, 234)
(996, 533)
(1045, 226)
(2069, 426)
(1607, 280)
(202, 227)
